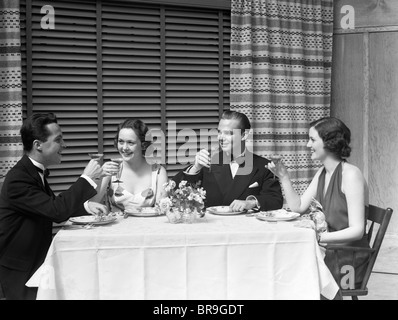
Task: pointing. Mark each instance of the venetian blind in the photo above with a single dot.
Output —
(106, 61)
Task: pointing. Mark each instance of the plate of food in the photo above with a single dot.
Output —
(143, 211)
(223, 211)
(94, 220)
(277, 215)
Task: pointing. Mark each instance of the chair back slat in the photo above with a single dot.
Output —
(370, 233)
(376, 214)
(382, 217)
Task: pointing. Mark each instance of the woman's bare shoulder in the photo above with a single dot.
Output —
(351, 171)
(351, 168)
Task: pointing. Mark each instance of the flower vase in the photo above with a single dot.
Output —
(174, 215)
(188, 216)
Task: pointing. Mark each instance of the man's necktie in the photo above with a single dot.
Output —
(45, 173)
(235, 164)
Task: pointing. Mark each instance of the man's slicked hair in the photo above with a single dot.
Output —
(241, 117)
(34, 128)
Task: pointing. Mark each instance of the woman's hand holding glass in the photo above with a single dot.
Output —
(119, 161)
(278, 168)
(111, 168)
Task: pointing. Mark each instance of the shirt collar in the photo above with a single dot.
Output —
(240, 158)
(37, 164)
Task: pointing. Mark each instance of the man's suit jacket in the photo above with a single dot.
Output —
(252, 178)
(27, 212)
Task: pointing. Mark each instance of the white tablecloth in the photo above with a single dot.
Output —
(221, 257)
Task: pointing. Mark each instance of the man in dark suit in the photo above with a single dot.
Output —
(28, 207)
(234, 176)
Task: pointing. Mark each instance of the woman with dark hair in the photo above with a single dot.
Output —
(338, 186)
(141, 183)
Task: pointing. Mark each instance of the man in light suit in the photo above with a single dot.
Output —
(234, 176)
(28, 207)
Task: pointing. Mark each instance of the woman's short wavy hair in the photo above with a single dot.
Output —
(335, 134)
(140, 129)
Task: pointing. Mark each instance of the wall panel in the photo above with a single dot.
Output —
(383, 119)
(365, 96)
(347, 95)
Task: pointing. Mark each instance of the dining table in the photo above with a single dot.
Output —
(218, 257)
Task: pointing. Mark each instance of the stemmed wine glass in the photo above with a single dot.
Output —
(275, 158)
(96, 156)
(119, 190)
(212, 151)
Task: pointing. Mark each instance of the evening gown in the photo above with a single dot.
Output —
(335, 208)
(147, 198)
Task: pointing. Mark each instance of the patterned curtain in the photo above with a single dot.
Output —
(281, 59)
(10, 86)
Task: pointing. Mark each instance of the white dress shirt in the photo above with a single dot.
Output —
(39, 165)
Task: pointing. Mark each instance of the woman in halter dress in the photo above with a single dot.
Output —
(141, 183)
(339, 186)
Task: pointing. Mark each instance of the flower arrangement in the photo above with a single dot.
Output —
(316, 214)
(314, 219)
(186, 200)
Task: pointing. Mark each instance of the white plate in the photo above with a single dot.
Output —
(223, 211)
(143, 212)
(277, 215)
(92, 220)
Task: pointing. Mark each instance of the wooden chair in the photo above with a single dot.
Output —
(378, 216)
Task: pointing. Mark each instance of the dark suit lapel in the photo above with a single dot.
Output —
(242, 179)
(48, 189)
(239, 185)
(222, 174)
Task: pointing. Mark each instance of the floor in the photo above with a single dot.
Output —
(382, 286)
